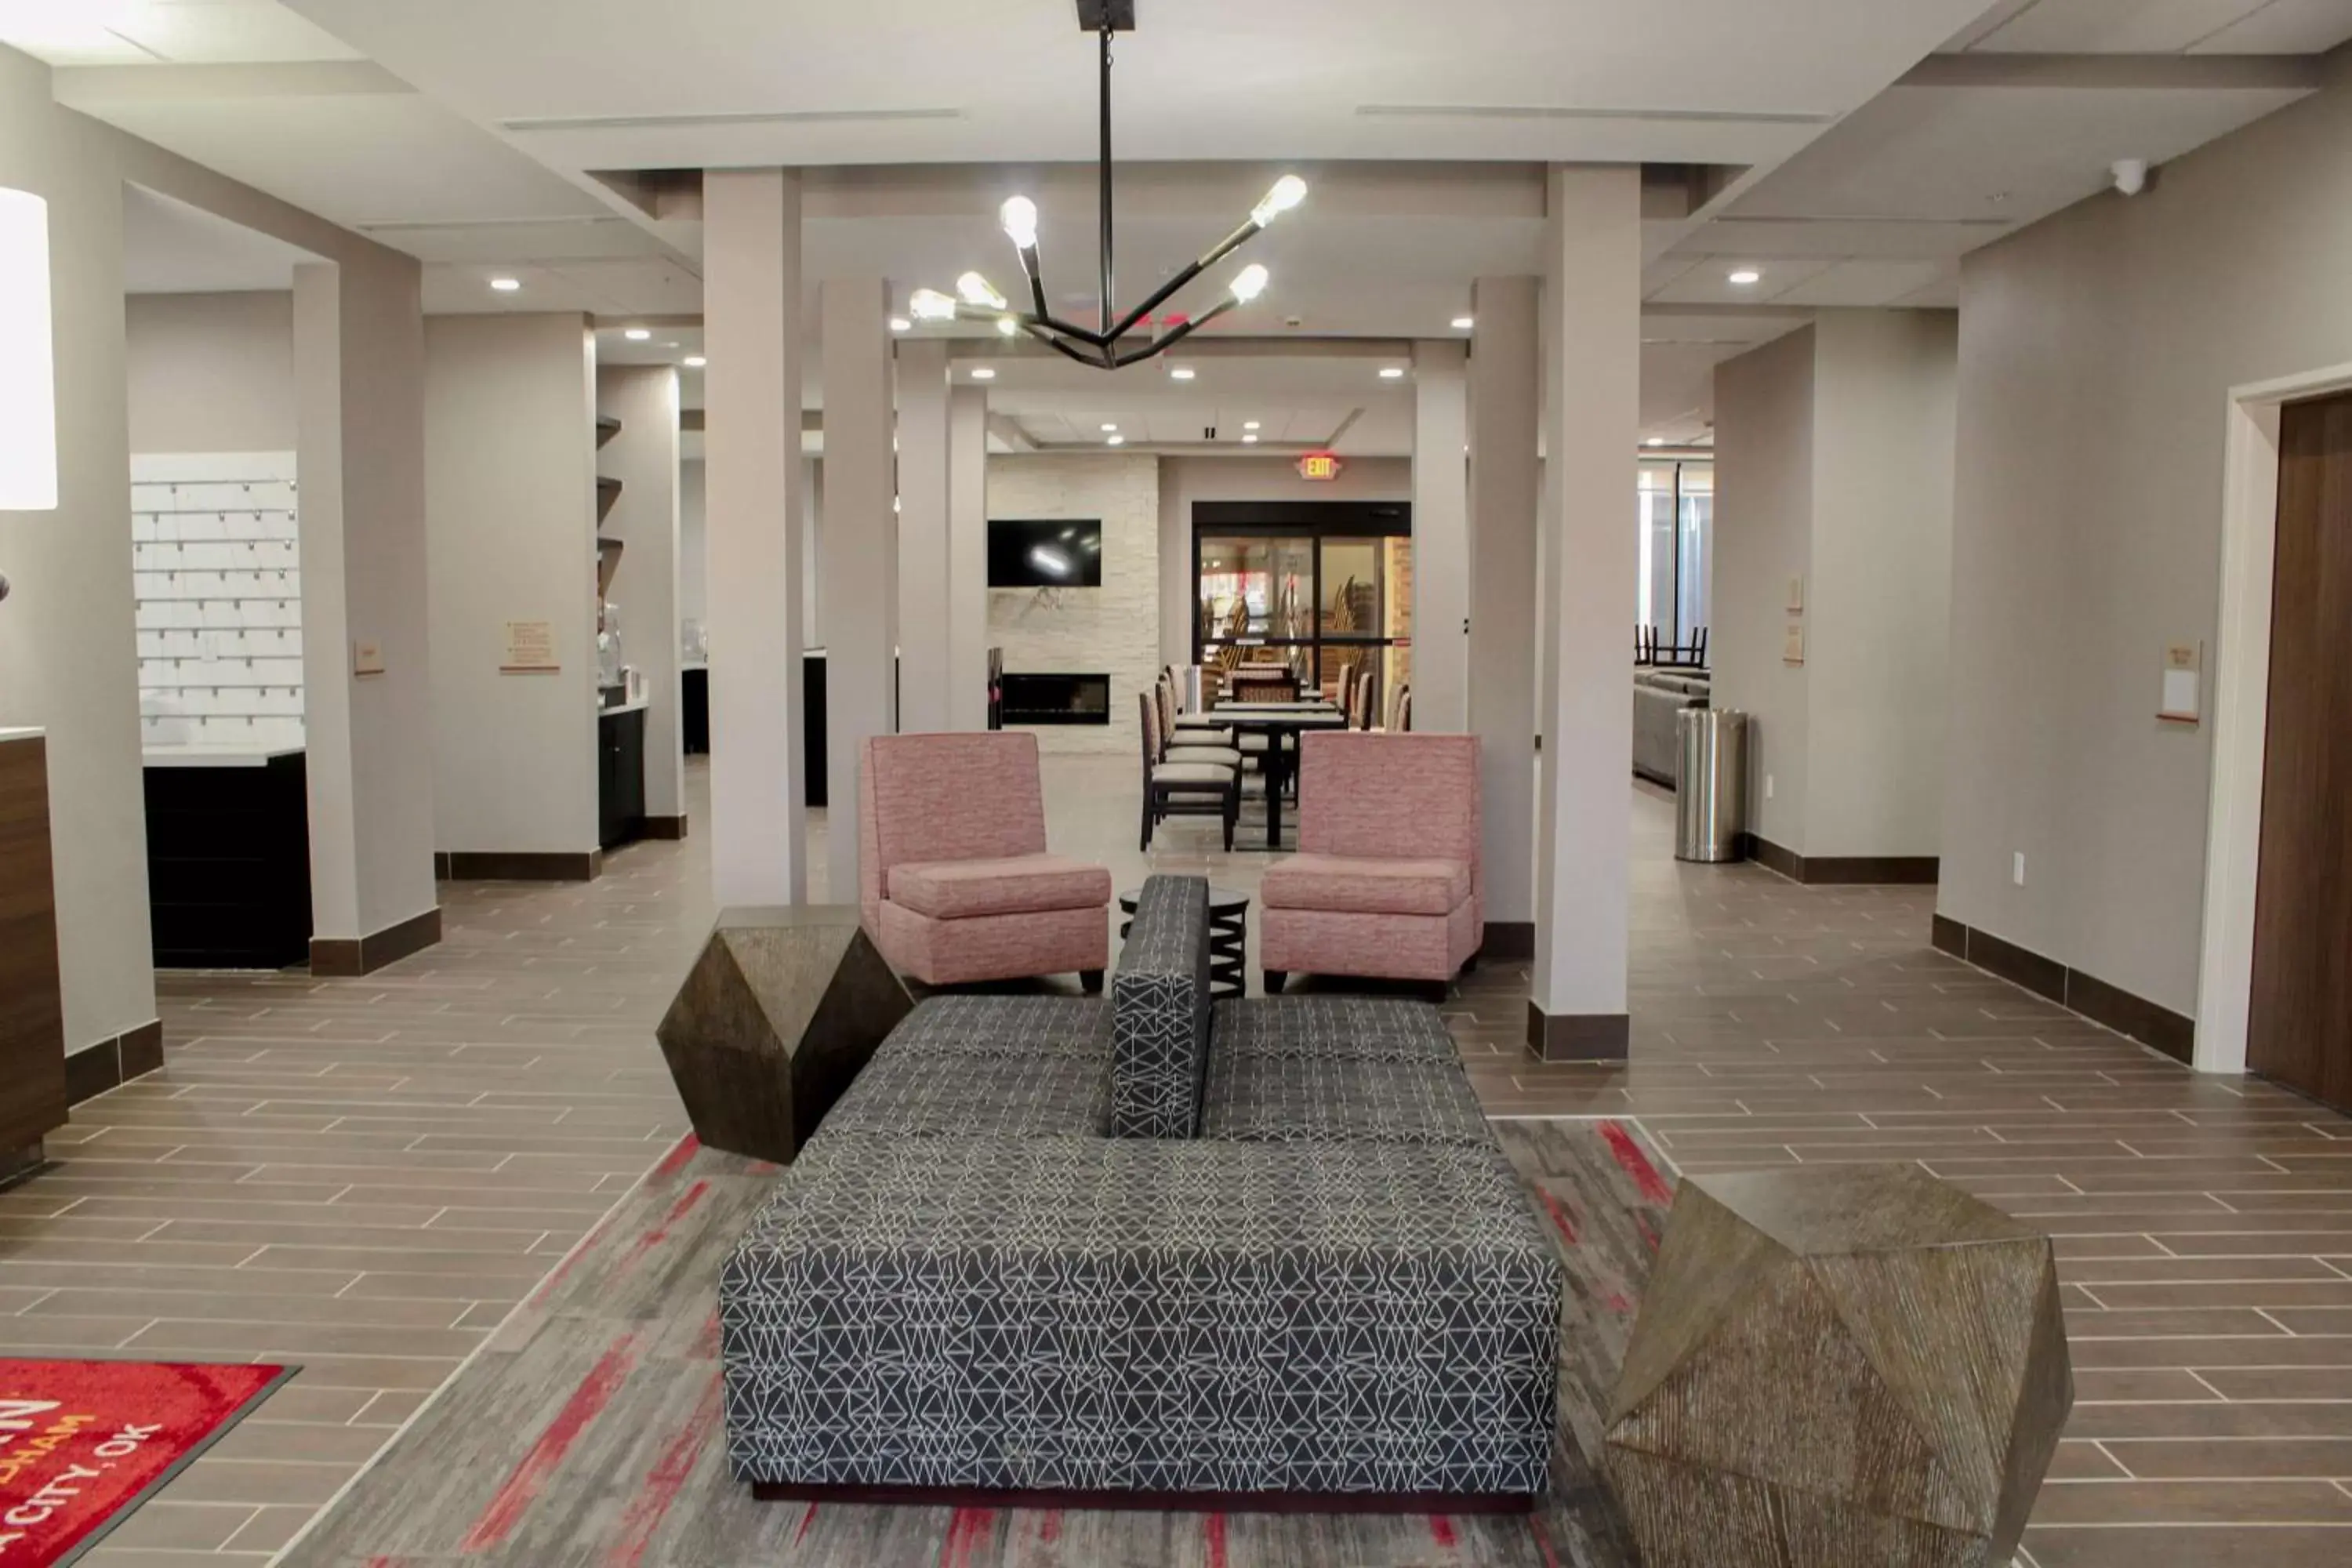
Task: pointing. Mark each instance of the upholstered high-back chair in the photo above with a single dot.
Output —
(1388, 881)
(955, 883)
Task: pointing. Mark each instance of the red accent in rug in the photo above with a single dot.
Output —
(82, 1442)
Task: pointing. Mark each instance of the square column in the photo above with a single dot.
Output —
(861, 567)
(358, 372)
(1440, 539)
(1591, 422)
(752, 307)
(926, 613)
(1506, 493)
(968, 558)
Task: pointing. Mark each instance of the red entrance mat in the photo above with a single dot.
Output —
(82, 1442)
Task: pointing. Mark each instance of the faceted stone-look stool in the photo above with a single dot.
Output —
(1840, 1367)
(774, 1020)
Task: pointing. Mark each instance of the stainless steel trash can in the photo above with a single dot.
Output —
(1710, 784)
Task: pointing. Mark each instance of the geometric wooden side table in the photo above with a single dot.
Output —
(775, 1018)
(1844, 1367)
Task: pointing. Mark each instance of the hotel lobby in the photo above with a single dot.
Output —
(873, 793)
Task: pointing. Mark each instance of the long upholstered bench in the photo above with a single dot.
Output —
(1140, 1248)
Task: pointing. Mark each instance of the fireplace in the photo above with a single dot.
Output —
(1056, 699)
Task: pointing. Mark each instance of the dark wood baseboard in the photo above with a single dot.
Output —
(1843, 871)
(1151, 1502)
(341, 958)
(520, 866)
(661, 827)
(1579, 1036)
(2135, 1018)
(1509, 939)
(18, 1166)
(112, 1063)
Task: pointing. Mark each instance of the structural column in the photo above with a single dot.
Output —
(751, 307)
(359, 366)
(926, 613)
(1592, 375)
(968, 558)
(1441, 540)
(861, 593)
(1506, 395)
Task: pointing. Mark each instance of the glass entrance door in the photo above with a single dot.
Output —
(1322, 606)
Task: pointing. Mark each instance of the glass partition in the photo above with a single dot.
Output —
(1323, 603)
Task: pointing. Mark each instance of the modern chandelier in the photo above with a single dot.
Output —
(1107, 347)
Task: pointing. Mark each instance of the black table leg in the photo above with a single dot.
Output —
(1277, 767)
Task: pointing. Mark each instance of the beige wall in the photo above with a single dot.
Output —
(2097, 351)
(1834, 462)
(1763, 536)
(211, 372)
(68, 652)
(1884, 385)
(511, 471)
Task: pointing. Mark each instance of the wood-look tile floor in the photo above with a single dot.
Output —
(367, 1177)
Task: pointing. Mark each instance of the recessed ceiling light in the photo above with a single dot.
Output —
(1464, 323)
(506, 285)
(1746, 276)
(900, 324)
(1116, 441)
(1249, 424)
(984, 374)
(1249, 440)
(695, 362)
(1181, 372)
(1392, 373)
(1656, 441)
(1110, 430)
(637, 335)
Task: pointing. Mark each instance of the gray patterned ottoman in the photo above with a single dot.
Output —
(1117, 1315)
(1296, 1267)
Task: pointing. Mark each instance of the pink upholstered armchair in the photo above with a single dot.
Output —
(954, 880)
(1388, 883)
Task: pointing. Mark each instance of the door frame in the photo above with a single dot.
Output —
(2241, 689)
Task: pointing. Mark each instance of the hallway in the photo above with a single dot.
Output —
(367, 1177)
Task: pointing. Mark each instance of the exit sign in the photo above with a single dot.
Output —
(1320, 467)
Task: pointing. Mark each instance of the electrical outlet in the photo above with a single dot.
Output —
(1767, 786)
(2017, 870)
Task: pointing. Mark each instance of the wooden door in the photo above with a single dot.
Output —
(2300, 1030)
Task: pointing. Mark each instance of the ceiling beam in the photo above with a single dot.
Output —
(2198, 73)
(91, 89)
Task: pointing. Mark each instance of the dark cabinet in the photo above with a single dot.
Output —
(620, 777)
(228, 864)
(32, 1032)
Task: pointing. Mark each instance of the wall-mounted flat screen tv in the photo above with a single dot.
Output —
(1060, 554)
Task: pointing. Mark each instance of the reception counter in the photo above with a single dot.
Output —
(32, 1025)
(228, 857)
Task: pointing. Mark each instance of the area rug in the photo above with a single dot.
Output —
(83, 1443)
(590, 1430)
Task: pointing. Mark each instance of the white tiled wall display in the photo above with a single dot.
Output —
(1114, 628)
(214, 552)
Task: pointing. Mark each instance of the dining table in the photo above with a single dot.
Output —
(1281, 723)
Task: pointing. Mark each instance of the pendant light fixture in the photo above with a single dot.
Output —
(1114, 343)
(29, 388)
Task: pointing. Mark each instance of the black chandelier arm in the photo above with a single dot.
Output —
(1160, 345)
(1167, 291)
(1033, 269)
(1099, 359)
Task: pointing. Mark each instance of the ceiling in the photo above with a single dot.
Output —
(1862, 146)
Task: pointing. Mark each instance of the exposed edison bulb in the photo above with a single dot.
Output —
(1019, 215)
(931, 305)
(1288, 193)
(1008, 326)
(979, 291)
(1249, 283)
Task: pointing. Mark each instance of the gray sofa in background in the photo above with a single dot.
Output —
(1658, 696)
(1307, 1268)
